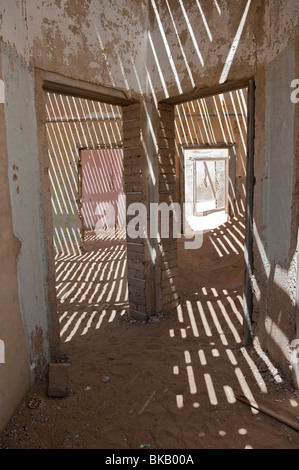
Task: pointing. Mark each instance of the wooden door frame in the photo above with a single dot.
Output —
(250, 181)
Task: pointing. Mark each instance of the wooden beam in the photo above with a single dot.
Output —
(248, 252)
(271, 410)
(205, 92)
(56, 83)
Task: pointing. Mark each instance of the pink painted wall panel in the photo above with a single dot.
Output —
(102, 188)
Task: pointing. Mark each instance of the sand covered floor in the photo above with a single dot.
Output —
(170, 383)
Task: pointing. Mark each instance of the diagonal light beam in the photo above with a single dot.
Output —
(191, 33)
(234, 46)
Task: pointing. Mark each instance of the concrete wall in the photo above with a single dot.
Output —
(277, 207)
(161, 48)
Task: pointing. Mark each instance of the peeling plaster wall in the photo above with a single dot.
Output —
(168, 46)
(14, 372)
(199, 41)
(99, 42)
(139, 46)
(24, 189)
(192, 41)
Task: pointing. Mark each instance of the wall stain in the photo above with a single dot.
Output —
(38, 360)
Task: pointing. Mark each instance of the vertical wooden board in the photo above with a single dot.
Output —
(248, 294)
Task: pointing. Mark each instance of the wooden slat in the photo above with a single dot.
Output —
(248, 294)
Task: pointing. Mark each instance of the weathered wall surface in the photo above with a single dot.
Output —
(276, 179)
(295, 218)
(201, 44)
(14, 366)
(163, 47)
(277, 205)
(24, 190)
(98, 42)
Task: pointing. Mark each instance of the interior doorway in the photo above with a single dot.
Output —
(85, 172)
(214, 138)
(206, 185)
(101, 195)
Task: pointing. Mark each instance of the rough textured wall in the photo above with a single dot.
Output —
(275, 192)
(190, 46)
(25, 200)
(14, 370)
(277, 203)
(295, 218)
(99, 42)
(195, 44)
(164, 47)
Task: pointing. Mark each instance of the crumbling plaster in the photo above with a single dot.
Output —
(14, 372)
(147, 44)
(98, 42)
(122, 45)
(24, 186)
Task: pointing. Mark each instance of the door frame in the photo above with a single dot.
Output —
(250, 181)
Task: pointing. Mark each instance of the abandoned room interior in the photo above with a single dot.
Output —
(149, 224)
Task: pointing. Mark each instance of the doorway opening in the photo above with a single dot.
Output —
(212, 136)
(85, 171)
(206, 175)
(101, 195)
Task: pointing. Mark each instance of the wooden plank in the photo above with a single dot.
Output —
(205, 92)
(248, 252)
(271, 410)
(57, 83)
